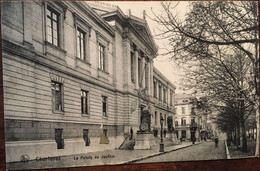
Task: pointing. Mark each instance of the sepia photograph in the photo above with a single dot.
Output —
(94, 83)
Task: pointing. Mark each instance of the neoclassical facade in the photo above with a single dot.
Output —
(73, 72)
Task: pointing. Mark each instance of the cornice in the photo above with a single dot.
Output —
(92, 14)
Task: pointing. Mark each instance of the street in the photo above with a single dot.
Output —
(203, 151)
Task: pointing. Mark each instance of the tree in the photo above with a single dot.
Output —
(217, 43)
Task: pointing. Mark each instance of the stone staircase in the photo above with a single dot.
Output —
(127, 144)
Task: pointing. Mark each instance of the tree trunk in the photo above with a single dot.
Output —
(238, 135)
(244, 139)
(257, 131)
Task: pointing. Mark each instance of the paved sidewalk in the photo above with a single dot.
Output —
(108, 157)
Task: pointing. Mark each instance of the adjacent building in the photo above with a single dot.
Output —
(186, 114)
(74, 71)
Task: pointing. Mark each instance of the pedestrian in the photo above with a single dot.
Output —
(216, 141)
(164, 132)
(131, 133)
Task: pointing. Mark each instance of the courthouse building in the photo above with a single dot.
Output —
(73, 71)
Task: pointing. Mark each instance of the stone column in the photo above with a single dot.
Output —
(162, 94)
(143, 72)
(151, 78)
(168, 95)
(136, 69)
(27, 24)
(127, 63)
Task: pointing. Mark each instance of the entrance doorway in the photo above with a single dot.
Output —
(183, 134)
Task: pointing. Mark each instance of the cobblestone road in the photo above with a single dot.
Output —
(204, 151)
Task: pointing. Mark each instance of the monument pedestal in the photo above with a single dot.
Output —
(172, 136)
(144, 140)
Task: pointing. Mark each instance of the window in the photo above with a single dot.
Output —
(164, 95)
(160, 92)
(104, 106)
(52, 26)
(84, 102)
(59, 138)
(183, 110)
(193, 111)
(101, 58)
(57, 96)
(155, 118)
(183, 121)
(192, 120)
(155, 89)
(176, 123)
(139, 71)
(81, 44)
(85, 137)
(183, 134)
(132, 67)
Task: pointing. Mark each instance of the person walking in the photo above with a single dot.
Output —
(216, 141)
(131, 133)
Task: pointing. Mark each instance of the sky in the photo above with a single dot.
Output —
(162, 63)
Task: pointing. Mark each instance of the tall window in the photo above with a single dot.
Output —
(139, 70)
(183, 133)
(101, 58)
(160, 92)
(81, 44)
(84, 102)
(104, 106)
(164, 95)
(183, 121)
(155, 89)
(52, 26)
(57, 99)
(176, 123)
(155, 118)
(183, 110)
(192, 120)
(132, 67)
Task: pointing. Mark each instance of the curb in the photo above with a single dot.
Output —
(157, 154)
(227, 151)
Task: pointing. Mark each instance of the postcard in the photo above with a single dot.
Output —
(89, 83)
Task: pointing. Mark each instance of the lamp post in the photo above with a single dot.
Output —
(161, 144)
(193, 128)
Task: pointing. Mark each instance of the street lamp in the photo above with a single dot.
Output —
(161, 144)
(193, 128)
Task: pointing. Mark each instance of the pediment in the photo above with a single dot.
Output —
(144, 32)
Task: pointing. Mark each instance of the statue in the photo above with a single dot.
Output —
(145, 124)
